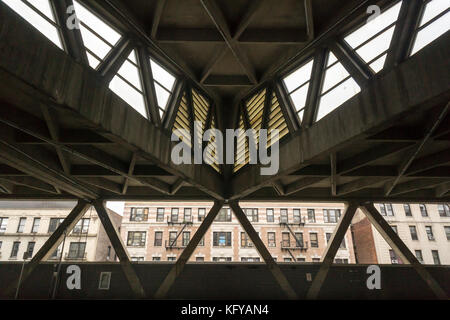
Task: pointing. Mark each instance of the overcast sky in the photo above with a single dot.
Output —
(116, 206)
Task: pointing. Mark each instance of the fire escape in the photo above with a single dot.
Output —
(300, 245)
(175, 243)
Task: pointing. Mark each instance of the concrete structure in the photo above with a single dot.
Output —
(366, 122)
(26, 226)
(424, 228)
(166, 234)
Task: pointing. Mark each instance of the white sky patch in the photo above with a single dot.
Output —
(116, 206)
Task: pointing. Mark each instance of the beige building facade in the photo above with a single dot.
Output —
(159, 231)
(26, 225)
(424, 228)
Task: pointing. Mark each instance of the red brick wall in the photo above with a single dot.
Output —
(364, 243)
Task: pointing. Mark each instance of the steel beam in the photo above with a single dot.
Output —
(262, 250)
(394, 241)
(176, 270)
(114, 59)
(331, 250)
(119, 248)
(157, 17)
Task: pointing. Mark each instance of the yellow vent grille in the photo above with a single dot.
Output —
(242, 151)
(201, 107)
(211, 147)
(255, 109)
(182, 121)
(276, 120)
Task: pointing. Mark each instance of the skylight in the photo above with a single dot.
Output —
(98, 37)
(40, 15)
(372, 41)
(201, 109)
(127, 84)
(297, 85)
(182, 124)
(338, 86)
(434, 23)
(163, 82)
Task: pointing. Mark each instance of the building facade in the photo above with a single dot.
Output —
(159, 231)
(424, 228)
(25, 226)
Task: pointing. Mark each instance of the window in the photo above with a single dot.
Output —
(172, 258)
(222, 239)
(419, 255)
(284, 216)
(245, 241)
(202, 242)
(429, 231)
(1, 242)
(139, 214)
(82, 227)
(40, 15)
(163, 82)
(395, 229)
(444, 210)
(172, 238)
(337, 87)
(158, 239)
(174, 215)
(313, 240)
(271, 239)
(341, 246)
(36, 223)
(136, 238)
(435, 255)
(21, 225)
(30, 249)
(447, 232)
(339, 260)
(413, 231)
(297, 85)
(250, 259)
(299, 239)
(98, 37)
(435, 22)
(199, 259)
(311, 215)
(407, 208)
(187, 215)
(297, 216)
(224, 215)
(331, 215)
(269, 215)
(160, 215)
(315, 259)
(3, 224)
(15, 249)
(301, 259)
(394, 258)
(201, 214)
(386, 209)
(76, 250)
(285, 240)
(186, 238)
(156, 258)
(287, 260)
(221, 259)
(104, 282)
(371, 41)
(252, 215)
(423, 210)
(54, 224)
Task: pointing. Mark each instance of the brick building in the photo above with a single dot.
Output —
(158, 231)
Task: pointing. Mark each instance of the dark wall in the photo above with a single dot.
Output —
(226, 281)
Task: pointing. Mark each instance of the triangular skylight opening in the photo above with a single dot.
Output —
(127, 84)
(211, 156)
(371, 41)
(182, 124)
(297, 85)
(98, 37)
(242, 152)
(337, 87)
(163, 82)
(276, 120)
(434, 23)
(39, 14)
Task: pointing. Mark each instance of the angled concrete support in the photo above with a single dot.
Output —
(262, 250)
(330, 252)
(120, 250)
(53, 242)
(187, 252)
(401, 249)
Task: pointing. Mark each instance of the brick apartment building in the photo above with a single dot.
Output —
(26, 225)
(159, 231)
(424, 228)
